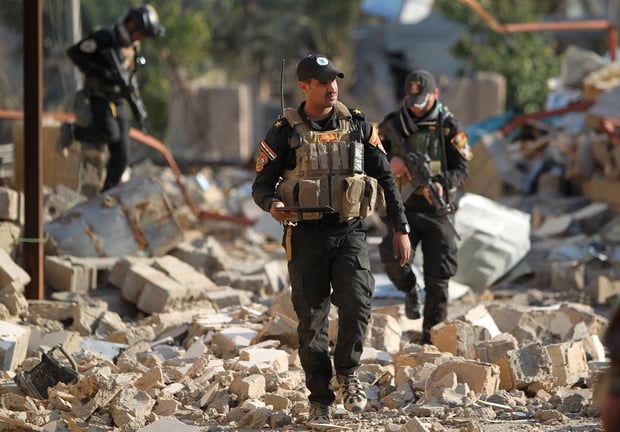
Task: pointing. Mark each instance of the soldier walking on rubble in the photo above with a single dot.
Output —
(423, 126)
(107, 56)
(324, 162)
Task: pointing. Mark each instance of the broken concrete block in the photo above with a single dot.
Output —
(14, 340)
(414, 425)
(70, 341)
(480, 316)
(603, 288)
(495, 239)
(9, 237)
(492, 350)
(568, 363)
(168, 424)
(456, 337)
(185, 274)
(134, 218)
(384, 333)
(131, 407)
(121, 267)
(160, 294)
(482, 378)
(275, 359)
(249, 387)
(226, 296)
(281, 328)
(11, 205)
(63, 275)
(11, 274)
(525, 366)
(227, 342)
(137, 276)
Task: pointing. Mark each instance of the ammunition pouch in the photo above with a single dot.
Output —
(352, 195)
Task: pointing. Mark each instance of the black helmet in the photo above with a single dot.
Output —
(143, 19)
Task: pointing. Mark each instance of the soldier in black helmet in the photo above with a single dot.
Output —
(101, 115)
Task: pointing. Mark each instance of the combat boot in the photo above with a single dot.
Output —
(353, 395)
(413, 303)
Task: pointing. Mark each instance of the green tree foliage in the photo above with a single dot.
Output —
(527, 60)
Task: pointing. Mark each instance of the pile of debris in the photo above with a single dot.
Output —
(198, 333)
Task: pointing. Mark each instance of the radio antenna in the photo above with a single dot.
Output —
(282, 86)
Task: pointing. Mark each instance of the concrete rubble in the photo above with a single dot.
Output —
(177, 322)
(198, 333)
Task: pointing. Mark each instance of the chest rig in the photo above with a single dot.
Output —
(329, 169)
(427, 140)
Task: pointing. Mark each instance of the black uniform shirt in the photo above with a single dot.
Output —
(276, 156)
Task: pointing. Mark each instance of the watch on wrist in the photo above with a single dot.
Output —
(403, 228)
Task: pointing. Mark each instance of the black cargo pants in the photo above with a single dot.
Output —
(439, 253)
(329, 264)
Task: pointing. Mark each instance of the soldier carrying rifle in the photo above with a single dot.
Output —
(108, 57)
(428, 155)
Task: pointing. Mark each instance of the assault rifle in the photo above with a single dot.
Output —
(421, 176)
(129, 86)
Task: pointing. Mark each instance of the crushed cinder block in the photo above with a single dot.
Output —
(568, 363)
(9, 237)
(268, 360)
(229, 341)
(63, 275)
(479, 316)
(281, 328)
(11, 205)
(193, 281)
(249, 387)
(603, 288)
(11, 274)
(482, 378)
(524, 367)
(456, 337)
(14, 340)
(160, 294)
(384, 333)
(490, 351)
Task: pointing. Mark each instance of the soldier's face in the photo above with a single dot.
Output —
(421, 111)
(322, 94)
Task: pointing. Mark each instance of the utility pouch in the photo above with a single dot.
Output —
(369, 200)
(348, 194)
(48, 373)
(82, 107)
(310, 196)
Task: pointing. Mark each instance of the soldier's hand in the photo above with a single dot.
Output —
(399, 168)
(279, 215)
(427, 192)
(402, 247)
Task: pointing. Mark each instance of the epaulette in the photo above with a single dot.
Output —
(357, 113)
(281, 121)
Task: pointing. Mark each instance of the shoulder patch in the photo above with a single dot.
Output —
(88, 46)
(460, 143)
(357, 113)
(265, 154)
